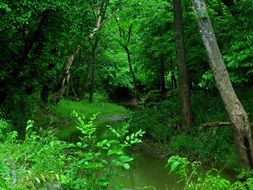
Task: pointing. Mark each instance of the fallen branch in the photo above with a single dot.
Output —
(217, 124)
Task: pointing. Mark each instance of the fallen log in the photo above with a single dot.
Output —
(217, 124)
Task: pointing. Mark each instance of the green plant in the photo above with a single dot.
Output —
(5, 127)
(189, 174)
(207, 145)
(194, 179)
(42, 161)
(159, 122)
(101, 156)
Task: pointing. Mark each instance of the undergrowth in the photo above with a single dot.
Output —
(190, 175)
(162, 124)
(59, 116)
(42, 161)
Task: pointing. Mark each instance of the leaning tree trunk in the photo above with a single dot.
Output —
(184, 93)
(66, 76)
(237, 115)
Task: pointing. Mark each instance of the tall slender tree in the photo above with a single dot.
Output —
(99, 8)
(237, 115)
(184, 93)
(124, 41)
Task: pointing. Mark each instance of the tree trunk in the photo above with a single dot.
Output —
(162, 75)
(173, 81)
(66, 76)
(237, 115)
(29, 43)
(133, 74)
(184, 93)
(93, 69)
(126, 38)
(99, 18)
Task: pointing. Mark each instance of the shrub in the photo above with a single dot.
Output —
(206, 145)
(193, 179)
(159, 122)
(42, 161)
(189, 174)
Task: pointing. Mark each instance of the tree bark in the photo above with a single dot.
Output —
(99, 11)
(66, 76)
(184, 93)
(237, 115)
(94, 55)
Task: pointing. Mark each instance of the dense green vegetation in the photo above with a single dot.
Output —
(85, 85)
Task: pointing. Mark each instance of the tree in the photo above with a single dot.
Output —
(124, 42)
(99, 9)
(237, 115)
(35, 38)
(66, 76)
(184, 93)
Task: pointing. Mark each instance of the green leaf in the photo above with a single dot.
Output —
(174, 166)
(126, 166)
(37, 179)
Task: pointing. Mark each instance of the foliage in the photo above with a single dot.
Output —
(63, 109)
(189, 173)
(114, 71)
(234, 34)
(41, 160)
(22, 103)
(4, 129)
(37, 37)
(159, 122)
(59, 116)
(207, 145)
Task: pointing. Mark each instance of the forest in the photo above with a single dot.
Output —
(126, 94)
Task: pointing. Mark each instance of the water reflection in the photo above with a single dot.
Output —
(148, 172)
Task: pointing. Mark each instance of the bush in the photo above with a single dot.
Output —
(18, 108)
(42, 161)
(159, 122)
(188, 173)
(214, 145)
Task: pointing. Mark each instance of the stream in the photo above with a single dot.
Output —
(147, 172)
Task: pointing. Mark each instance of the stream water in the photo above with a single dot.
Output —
(147, 172)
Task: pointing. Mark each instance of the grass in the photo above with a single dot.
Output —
(60, 117)
(65, 107)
